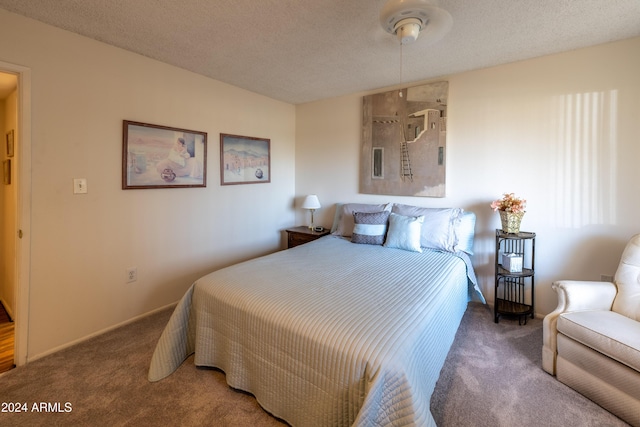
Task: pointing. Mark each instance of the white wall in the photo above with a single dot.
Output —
(561, 131)
(81, 245)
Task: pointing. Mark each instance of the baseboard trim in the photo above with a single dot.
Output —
(100, 332)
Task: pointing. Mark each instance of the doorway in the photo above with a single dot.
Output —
(15, 204)
(8, 210)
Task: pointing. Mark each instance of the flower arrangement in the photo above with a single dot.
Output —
(509, 203)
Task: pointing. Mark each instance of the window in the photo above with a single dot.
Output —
(377, 167)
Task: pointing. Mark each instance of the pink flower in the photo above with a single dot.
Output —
(509, 203)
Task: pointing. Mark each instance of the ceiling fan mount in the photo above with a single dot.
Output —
(407, 19)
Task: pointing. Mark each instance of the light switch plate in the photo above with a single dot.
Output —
(79, 186)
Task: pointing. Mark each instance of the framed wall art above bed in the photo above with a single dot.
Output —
(155, 156)
(404, 141)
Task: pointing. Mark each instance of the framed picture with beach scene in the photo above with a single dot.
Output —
(156, 156)
(244, 160)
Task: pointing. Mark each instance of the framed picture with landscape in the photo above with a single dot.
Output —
(244, 160)
(156, 156)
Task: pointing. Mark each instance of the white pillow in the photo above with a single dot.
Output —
(404, 232)
(344, 222)
(465, 232)
(438, 230)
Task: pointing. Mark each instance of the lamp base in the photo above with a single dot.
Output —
(311, 225)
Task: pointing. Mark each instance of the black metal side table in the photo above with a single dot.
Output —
(514, 294)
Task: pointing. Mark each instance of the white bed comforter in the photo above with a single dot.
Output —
(329, 333)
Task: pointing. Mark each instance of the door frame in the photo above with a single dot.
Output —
(23, 214)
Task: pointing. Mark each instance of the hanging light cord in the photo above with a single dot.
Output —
(400, 92)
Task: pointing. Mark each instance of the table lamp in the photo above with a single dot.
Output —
(312, 203)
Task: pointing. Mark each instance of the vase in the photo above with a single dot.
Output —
(511, 221)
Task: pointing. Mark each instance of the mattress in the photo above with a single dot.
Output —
(326, 333)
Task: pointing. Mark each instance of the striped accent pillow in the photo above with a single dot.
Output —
(370, 227)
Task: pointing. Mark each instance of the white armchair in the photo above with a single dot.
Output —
(591, 341)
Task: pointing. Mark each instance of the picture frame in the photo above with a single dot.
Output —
(244, 160)
(155, 156)
(6, 170)
(404, 141)
(10, 143)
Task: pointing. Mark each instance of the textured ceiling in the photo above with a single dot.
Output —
(303, 50)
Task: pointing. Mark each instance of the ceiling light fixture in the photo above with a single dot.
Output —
(409, 18)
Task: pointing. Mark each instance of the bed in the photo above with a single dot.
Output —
(333, 332)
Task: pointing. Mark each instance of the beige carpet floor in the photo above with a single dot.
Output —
(492, 377)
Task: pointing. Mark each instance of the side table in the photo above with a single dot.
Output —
(303, 234)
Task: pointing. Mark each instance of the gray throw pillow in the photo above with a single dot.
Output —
(370, 227)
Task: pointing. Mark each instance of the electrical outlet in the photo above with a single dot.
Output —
(132, 274)
(606, 278)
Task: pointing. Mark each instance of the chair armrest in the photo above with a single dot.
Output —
(573, 295)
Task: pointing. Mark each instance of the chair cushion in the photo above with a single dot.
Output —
(607, 332)
(627, 280)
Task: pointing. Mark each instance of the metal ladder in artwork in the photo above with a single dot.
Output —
(405, 162)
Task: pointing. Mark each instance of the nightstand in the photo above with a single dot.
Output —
(303, 234)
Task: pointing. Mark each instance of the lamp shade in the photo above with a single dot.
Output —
(311, 202)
